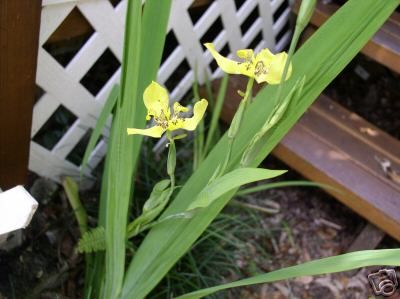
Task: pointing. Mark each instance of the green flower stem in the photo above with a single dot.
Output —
(305, 12)
(171, 163)
(236, 122)
(306, 9)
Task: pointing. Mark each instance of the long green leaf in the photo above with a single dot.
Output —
(72, 191)
(320, 59)
(144, 40)
(120, 174)
(344, 262)
(230, 181)
(101, 122)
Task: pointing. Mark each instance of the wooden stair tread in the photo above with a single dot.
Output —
(384, 47)
(333, 124)
(335, 146)
(323, 152)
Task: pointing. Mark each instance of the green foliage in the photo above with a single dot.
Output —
(71, 189)
(230, 181)
(213, 131)
(344, 262)
(210, 188)
(268, 186)
(144, 40)
(101, 122)
(152, 208)
(320, 59)
(92, 241)
(214, 256)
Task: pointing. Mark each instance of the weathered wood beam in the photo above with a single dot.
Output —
(19, 38)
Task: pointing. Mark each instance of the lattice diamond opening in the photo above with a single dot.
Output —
(239, 3)
(64, 43)
(101, 71)
(251, 19)
(211, 34)
(55, 128)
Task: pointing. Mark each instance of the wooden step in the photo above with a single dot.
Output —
(384, 47)
(335, 146)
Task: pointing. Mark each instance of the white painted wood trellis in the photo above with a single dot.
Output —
(243, 23)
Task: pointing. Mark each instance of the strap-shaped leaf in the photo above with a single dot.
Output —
(230, 181)
(145, 33)
(101, 122)
(344, 262)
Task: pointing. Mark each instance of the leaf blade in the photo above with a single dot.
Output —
(340, 263)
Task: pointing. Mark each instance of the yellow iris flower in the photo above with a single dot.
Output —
(157, 103)
(263, 67)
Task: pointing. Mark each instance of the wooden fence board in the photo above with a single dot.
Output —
(19, 34)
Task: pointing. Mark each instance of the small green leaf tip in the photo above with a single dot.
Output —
(305, 13)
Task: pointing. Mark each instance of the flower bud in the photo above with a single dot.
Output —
(305, 13)
(171, 163)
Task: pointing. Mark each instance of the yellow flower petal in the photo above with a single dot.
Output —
(179, 108)
(262, 64)
(198, 112)
(277, 65)
(265, 55)
(190, 123)
(264, 67)
(246, 54)
(227, 65)
(155, 131)
(155, 99)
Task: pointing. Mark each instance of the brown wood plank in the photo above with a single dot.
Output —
(334, 146)
(369, 238)
(367, 195)
(348, 142)
(359, 128)
(384, 47)
(19, 35)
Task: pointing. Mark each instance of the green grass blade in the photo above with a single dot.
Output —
(344, 262)
(268, 186)
(72, 191)
(320, 59)
(101, 122)
(216, 113)
(96, 275)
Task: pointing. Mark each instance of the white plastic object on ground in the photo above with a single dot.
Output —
(17, 207)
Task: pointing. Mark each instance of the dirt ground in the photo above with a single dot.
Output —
(317, 226)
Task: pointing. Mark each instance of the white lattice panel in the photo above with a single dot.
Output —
(69, 102)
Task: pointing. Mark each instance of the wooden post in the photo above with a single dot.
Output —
(19, 39)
